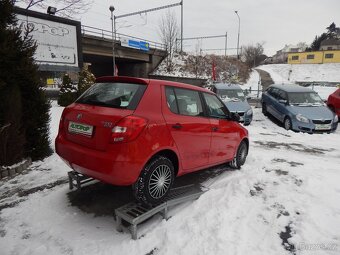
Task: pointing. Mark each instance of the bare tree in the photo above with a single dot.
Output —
(169, 31)
(65, 8)
(252, 54)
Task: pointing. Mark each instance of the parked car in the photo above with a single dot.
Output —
(298, 108)
(333, 102)
(233, 97)
(139, 132)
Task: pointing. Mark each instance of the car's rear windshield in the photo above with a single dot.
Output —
(114, 95)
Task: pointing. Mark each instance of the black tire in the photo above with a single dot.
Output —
(287, 123)
(264, 109)
(241, 156)
(154, 182)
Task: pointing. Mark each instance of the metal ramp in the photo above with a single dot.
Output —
(135, 213)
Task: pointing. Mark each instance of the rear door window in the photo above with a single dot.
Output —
(114, 95)
(184, 101)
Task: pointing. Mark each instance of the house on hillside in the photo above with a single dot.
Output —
(281, 56)
(330, 44)
(314, 57)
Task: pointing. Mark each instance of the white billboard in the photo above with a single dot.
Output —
(56, 42)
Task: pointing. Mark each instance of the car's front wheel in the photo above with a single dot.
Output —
(287, 123)
(155, 181)
(241, 155)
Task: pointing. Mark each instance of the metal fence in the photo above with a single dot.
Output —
(106, 34)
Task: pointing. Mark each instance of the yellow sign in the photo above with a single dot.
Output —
(50, 81)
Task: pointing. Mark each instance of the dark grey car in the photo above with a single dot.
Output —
(233, 97)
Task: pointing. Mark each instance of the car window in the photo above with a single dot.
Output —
(231, 95)
(216, 108)
(304, 98)
(114, 95)
(171, 99)
(184, 101)
(282, 95)
(274, 92)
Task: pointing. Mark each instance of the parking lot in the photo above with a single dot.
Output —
(284, 200)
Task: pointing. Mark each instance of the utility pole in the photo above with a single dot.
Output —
(238, 37)
(181, 26)
(226, 43)
(155, 9)
(113, 30)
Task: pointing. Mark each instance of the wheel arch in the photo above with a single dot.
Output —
(292, 122)
(246, 140)
(171, 155)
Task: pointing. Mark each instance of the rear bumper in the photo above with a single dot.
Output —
(119, 165)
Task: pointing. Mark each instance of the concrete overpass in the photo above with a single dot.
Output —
(97, 50)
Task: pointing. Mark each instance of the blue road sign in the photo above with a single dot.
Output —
(144, 46)
(133, 44)
(138, 45)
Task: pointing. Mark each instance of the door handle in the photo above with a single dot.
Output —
(214, 129)
(177, 126)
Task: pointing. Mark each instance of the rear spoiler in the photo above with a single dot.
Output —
(123, 79)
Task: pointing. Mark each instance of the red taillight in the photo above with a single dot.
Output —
(128, 129)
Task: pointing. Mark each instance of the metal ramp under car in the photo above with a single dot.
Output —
(135, 213)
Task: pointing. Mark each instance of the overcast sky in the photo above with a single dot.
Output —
(272, 22)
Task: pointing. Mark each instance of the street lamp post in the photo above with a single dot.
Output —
(238, 37)
(113, 30)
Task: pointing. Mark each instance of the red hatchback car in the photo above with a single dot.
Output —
(333, 102)
(144, 133)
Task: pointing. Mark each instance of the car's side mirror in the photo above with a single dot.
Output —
(234, 116)
(283, 101)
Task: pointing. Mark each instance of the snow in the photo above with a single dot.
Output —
(253, 85)
(178, 62)
(290, 181)
(304, 72)
(313, 73)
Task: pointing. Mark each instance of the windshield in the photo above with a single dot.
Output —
(305, 99)
(114, 95)
(233, 95)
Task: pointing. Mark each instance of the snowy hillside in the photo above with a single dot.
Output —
(303, 72)
(284, 200)
(285, 73)
(200, 66)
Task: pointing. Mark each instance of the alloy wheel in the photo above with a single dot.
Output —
(160, 181)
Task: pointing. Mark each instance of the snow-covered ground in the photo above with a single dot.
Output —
(288, 189)
(304, 72)
(252, 86)
(318, 73)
